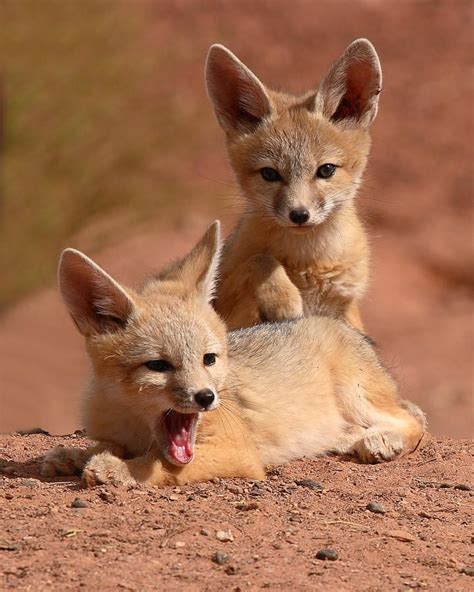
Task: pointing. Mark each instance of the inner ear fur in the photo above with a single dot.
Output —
(96, 302)
(239, 98)
(197, 272)
(350, 90)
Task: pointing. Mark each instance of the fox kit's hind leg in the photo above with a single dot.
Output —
(71, 461)
(259, 290)
(382, 425)
(397, 434)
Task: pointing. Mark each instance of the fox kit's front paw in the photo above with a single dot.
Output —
(379, 445)
(63, 461)
(278, 299)
(277, 306)
(106, 468)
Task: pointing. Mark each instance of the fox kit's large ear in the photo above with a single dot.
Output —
(350, 91)
(239, 98)
(96, 302)
(197, 271)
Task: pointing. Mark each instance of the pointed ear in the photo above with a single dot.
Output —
(96, 302)
(350, 91)
(198, 270)
(239, 98)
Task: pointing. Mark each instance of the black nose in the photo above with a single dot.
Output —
(204, 398)
(299, 216)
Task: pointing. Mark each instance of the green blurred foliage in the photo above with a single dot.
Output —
(86, 136)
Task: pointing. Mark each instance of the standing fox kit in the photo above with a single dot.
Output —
(299, 248)
(175, 399)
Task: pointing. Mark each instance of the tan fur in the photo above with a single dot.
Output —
(326, 260)
(284, 390)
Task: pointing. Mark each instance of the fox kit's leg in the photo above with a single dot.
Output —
(386, 441)
(71, 461)
(258, 290)
(216, 457)
(397, 430)
(278, 299)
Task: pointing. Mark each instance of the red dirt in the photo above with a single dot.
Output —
(416, 197)
(150, 539)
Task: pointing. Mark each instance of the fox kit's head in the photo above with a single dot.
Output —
(160, 352)
(297, 159)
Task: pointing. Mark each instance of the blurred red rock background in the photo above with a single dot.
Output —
(111, 146)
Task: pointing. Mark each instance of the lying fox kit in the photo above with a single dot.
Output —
(174, 399)
(299, 247)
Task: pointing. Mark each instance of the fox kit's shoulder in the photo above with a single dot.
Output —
(298, 161)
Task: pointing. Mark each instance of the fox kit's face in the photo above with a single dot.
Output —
(297, 168)
(297, 159)
(170, 362)
(161, 353)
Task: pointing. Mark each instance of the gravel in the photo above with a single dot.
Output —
(327, 555)
(375, 508)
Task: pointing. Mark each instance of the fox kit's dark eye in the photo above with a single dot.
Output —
(159, 365)
(326, 170)
(270, 175)
(209, 359)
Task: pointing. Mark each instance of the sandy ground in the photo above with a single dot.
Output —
(167, 539)
(416, 198)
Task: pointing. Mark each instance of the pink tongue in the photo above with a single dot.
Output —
(179, 426)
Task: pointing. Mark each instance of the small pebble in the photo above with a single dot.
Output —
(8, 547)
(78, 434)
(310, 484)
(179, 544)
(327, 555)
(107, 496)
(220, 558)
(79, 503)
(375, 508)
(401, 535)
(224, 536)
(469, 571)
(204, 532)
(276, 545)
(244, 507)
(33, 431)
(230, 570)
(424, 514)
(30, 482)
(463, 486)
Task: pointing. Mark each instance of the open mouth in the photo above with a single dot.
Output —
(180, 430)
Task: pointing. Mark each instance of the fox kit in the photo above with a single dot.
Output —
(299, 248)
(174, 399)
